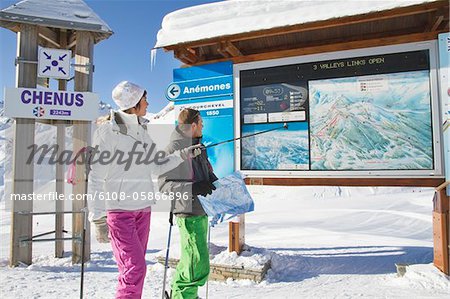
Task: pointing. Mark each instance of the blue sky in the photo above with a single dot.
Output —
(124, 56)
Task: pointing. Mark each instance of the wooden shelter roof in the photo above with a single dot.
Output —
(53, 17)
(399, 25)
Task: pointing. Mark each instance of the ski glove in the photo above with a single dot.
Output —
(191, 152)
(101, 230)
(203, 188)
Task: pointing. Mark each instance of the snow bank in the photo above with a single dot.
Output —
(250, 258)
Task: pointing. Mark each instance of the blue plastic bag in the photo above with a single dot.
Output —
(231, 198)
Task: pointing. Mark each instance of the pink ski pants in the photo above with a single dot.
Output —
(128, 231)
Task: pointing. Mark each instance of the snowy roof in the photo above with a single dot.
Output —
(69, 14)
(239, 16)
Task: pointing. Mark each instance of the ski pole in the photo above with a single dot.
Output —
(165, 295)
(285, 126)
(83, 244)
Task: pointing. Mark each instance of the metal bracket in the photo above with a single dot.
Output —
(23, 60)
(87, 66)
(48, 213)
(77, 238)
(23, 241)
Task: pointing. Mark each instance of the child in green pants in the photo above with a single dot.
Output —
(193, 268)
(194, 177)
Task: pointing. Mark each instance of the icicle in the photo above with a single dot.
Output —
(152, 58)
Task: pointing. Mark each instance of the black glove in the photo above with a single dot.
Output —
(203, 188)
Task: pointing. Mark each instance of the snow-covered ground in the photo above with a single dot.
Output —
(325, 242)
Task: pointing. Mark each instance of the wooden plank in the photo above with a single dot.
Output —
(236, 235)
(231, 49)
(222, 51)
(442, 186)
(366, 43)
(319, 42)
(440, 242)
(72, 40)
(361, 182)
(59, 204)
(227, 49)
(44, 82)
(23, 173)
(13, 26)
(186, 55)
(49, 35)
(437, 23)
(441, 201)
(324, 24)
(61, 142)
(81, 135)
(241, 234)
(441, 230)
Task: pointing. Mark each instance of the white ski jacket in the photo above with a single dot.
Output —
(124, 186)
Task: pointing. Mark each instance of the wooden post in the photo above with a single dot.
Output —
(236, 235)
(441, 230)
(84, 49)
(22, 225)
(60, 141)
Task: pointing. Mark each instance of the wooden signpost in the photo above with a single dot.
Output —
(37, 26)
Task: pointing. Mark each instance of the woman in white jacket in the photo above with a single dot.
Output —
(121, 185)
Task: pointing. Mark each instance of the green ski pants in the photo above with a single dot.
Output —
(193, 268)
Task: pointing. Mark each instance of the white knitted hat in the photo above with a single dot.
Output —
(126, 94)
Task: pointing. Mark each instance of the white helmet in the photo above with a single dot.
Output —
(126, 94)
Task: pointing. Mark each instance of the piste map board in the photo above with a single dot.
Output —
(363, 113)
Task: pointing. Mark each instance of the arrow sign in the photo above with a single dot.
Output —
(54, 63)
(200, 88)
(173, 91)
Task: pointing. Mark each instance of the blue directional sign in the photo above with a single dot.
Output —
(54, 63)
(200, 88)
(209, 89)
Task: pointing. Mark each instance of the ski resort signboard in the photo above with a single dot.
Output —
(371, 112)
(216, 108)
(50, 104)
